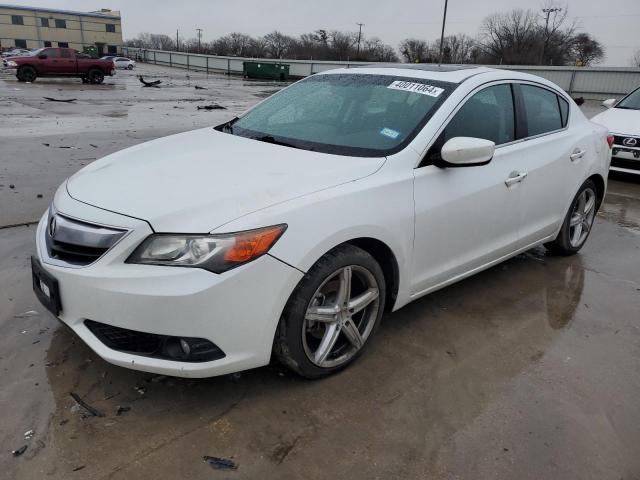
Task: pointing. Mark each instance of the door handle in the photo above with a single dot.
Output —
(515, 177)
(577, 155)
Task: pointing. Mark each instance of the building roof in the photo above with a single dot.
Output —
(108, 14)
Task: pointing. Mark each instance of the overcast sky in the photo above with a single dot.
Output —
(614, 22)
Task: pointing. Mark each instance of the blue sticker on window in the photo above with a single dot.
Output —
(387, 132)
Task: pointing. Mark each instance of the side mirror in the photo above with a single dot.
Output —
(609, 103)
(42, 57)
(467, 152)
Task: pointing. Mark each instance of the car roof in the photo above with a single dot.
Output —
(444, 73)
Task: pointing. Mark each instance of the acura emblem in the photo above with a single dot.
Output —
(630, 142)
(52, 227)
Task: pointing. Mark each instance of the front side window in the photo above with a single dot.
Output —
(17, 20)
(50, 52)
(489, 114)
(348, 114)
(61, 23)
(65, 53)
(542, 110)
(631, 101)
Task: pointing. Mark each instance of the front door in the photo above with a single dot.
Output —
(468, 217)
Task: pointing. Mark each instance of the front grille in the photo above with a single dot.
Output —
(153, 345)
(77, 243)
(619, 140)
(625, 163)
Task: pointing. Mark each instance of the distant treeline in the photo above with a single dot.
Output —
(517, 37)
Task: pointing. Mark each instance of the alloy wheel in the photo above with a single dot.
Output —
(582, 216)
(340, 316)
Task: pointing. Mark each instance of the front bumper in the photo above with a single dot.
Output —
(625, 159)
(238, 311)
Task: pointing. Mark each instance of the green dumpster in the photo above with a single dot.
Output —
(271, 71)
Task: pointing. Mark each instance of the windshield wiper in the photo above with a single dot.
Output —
(271, 139)
(627, 108)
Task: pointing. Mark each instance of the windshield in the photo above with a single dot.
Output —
(631, 101)
(347, 114)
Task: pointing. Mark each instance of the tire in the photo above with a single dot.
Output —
(129, 67)
(578, 222)
(318, 347)
(27, 74)
(95, 76)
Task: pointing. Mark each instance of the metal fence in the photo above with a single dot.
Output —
(590, 82)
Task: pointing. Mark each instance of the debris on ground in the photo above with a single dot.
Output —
(30, 313)
(39, 195)
(213, 106)
(60, 100)
(579, 101)
(60, 146)
(158, 378)
(198, 87)
(140, 389)
(122, 409)
(155, 83)
(28, 434)
(92, 411)
(78, 468)
(19, 451)
(12, 186)
(220, 463)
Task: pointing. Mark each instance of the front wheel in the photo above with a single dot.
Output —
(578, 222)
(27, 74)
(332, 314)
(96, 76)
(129, 67)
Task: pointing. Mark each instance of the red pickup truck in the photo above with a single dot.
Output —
(60, 62)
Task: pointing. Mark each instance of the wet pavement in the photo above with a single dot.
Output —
(529, 370)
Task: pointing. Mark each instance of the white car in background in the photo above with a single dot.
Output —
(291, 229)
(123, 62)
(623, 120)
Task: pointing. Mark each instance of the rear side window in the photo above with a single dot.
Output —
(489, 114)
(542, 110)
(65, 53)
(564, 110)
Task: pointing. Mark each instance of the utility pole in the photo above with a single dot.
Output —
(177, 41)
(199, 30)
(444, 21)
(359, 37)
(547, 12)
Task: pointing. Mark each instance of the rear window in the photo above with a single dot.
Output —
(349, 114)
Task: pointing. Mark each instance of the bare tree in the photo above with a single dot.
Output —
(277, 43)
(342, 43)
(414, 50)
(456, 48)
(587, 50)
(512, 37)
(635, 59)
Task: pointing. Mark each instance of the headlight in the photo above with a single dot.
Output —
(11, 63)
(216, 253)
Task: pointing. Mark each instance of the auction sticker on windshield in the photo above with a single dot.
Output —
(416, 88)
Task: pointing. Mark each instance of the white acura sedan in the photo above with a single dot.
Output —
(291, 229)
(623, 120)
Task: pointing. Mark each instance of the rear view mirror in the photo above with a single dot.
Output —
(609, 103)
(467, 152)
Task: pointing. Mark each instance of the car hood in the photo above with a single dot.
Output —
(619, 120)
(199, 180)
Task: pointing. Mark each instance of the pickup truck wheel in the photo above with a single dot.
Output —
(96, 76)
(27, 74)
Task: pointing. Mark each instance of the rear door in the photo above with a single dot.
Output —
(67, 61)
(468, 217)
(553, 157)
